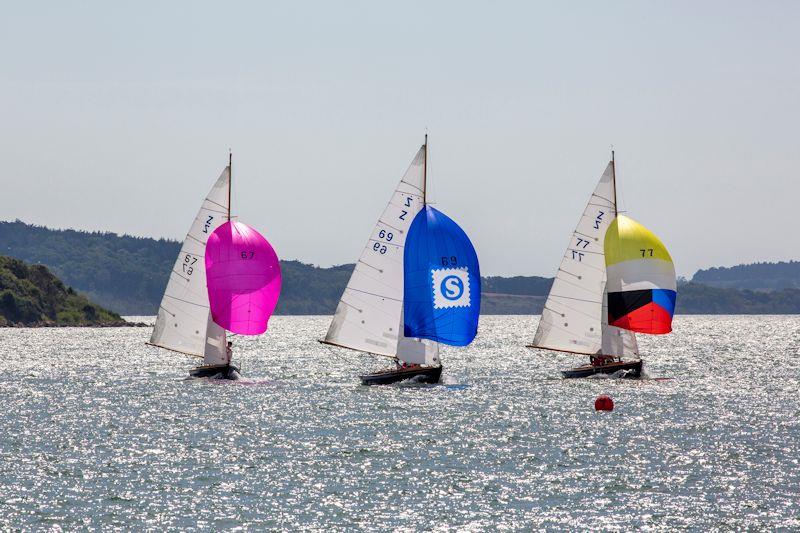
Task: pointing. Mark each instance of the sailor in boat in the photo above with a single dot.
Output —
(601, 359)
(229, 352)
(402, 365)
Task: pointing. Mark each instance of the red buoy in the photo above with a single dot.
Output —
(604, 403)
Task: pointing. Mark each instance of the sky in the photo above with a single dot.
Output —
(119, 117)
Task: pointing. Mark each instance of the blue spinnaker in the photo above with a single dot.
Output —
(442, 288)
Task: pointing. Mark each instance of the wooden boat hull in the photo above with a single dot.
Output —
(392, 375)
(633, 369)
(216, 372)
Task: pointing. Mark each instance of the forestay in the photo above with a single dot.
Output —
(183, 322)
(573, 319)
(369, 316)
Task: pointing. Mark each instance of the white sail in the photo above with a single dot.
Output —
(574, 318)
(369, 316)
(215, 350)
(183, 323)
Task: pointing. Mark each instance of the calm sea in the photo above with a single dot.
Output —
(100, 431)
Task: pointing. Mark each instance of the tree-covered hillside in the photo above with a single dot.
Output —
(119, 272)
(31, 295)
(699, 299)
(128, 274)
(755, 276)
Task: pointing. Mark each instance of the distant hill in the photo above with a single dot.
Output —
(119, 272)
(128, 274)
(30, 295)
(698, 299)
(755, 276)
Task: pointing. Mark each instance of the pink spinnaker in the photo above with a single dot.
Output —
(243, 277)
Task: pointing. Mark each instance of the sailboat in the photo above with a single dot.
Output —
(416, 285)
(616, 279)
(226, 278)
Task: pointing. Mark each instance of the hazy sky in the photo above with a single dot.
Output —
(119, 117)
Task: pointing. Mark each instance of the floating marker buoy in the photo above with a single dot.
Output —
(604, 403)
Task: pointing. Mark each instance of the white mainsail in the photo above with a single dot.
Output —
(184, 319)
(369, 316)
(574, 318)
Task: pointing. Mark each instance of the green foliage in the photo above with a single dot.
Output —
(755, 276)
(31, 295)
(696, 298)
(521, 285)
(129, 274)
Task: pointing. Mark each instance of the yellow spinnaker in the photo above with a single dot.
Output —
(627, 240)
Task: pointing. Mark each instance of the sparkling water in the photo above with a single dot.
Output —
(101, 431)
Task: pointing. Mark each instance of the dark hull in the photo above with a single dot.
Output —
(216, 371)
(420, 375)
(633, 369)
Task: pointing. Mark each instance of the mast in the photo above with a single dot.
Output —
(614, 182)
(425, 172)
(230, 179)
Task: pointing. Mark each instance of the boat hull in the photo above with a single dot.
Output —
(633, 369)
(230, 372)
(386, 377)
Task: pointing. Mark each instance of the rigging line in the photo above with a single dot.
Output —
(351, 305)
(376, 280)
(387, 243)
(575, 310)
(362, 262)
(584, 251)
(184, 301)
(323, 341)
(570, 273)
(367, 305)
(572, 333)
(373, 294)
(596, 205)
(179, 275)
(571, 284)
(595, 239)
(173, 350)
(183, 251)
(576, 299)
(224, 209)
(595, 195)
(587, 265)
(195, 239)
(547, 348)
(410, 184)
(367, 264)
(380, 221)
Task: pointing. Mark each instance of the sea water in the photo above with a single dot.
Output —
(100, 431)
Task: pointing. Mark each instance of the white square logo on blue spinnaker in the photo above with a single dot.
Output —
(450, 287)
